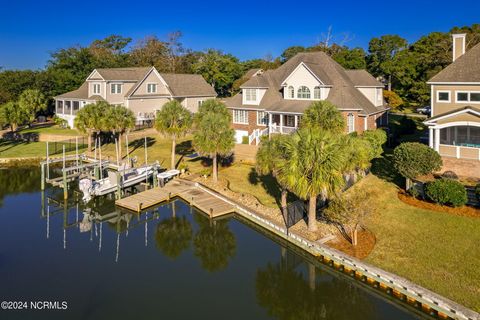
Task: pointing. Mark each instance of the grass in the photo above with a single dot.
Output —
(437, 250)
(56, 130)
(16, 149)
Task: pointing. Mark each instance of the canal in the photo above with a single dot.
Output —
(95, 262)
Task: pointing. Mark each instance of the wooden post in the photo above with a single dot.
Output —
(139, 208)
(146, 158)
(76, 150)
(128, 153)
(155, 182)
(119, 189)
(48, 163)
(211, 213)
(65, 186)
(42, 184)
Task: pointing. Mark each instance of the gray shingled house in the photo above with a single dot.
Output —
(143, 90)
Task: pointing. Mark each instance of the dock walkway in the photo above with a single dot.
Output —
(209, 204)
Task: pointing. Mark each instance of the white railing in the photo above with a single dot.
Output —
(274, 128)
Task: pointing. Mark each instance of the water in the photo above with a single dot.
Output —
(170, 263)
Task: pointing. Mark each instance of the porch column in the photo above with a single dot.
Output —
(281, 123)
(270, 120)
(296, 121)
(63, 106)
(430, 137)
(437, 139)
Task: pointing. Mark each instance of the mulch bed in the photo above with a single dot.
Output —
(366, 243)
(464, 211)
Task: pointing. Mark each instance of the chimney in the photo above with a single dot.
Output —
(459, 42)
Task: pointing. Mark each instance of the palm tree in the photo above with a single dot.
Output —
(32, 101)
(173, 120)
(211, 106)
(213, 135)
(89, 120)
(358, 153)
(323, 115)
(313, 166)
(12, 114)
(118, 119)
(269, 155)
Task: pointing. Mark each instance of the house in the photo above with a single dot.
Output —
(142, 90)
(454, 126)
(273, 101)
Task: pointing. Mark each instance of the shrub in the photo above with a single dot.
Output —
(413, 159)
(413, 191)
(245, 140)
(393, 99)
(447, 191)
(377, 139)
(477, 191)
(450, 175)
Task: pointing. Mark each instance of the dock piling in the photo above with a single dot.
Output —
(64, 172)
(42, 184)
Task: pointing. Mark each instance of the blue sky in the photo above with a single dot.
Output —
(30, 30)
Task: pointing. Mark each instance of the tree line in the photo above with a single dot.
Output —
(404, 67)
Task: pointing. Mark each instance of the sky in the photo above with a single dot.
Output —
(31, 30)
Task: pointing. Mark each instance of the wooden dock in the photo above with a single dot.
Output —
(209, 204)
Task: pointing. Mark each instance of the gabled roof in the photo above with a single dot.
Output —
(188, 85)
(342, 92)
(362, 78)
(126, 74)
(180, 85)
(467, 109)
(465, 69)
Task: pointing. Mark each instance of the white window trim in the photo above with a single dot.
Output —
(99, 88)
(319, 93)
(200, 102)
(156, 87)
(469, 100)
(259, 123)
(251, 90)
(114, 85)
(238, 122)
(444, 91)
(309, 90)
(353, 122)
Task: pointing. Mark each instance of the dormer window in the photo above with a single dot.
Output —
(303, 93)
(251, 95)
(291, 92)
(116, 88)
(151, 88)
(316, 93)
(96, 88)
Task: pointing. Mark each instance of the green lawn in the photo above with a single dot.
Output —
(437, 250)
(22, 149)
(52, 130)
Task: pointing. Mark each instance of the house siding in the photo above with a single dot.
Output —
(440, 108)
(151, 78)
(146, 105)
(252, 122)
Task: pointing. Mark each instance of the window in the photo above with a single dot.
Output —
(291, 92)
(316, 93)
(251, 95)
(76, 106)
(379, 95)
(465, 96)
(462, 96)
(151, 88)
(59, 106)
(262, 118)
(290, 121)
(116, 88)
(350, 122)
(200, 102)
(443, 96)
(474, 97)
(96, 88)
(240, 116)
(303, 93)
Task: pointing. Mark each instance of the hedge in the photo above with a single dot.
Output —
(446, 192)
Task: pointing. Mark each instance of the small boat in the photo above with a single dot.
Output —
(128, 178)
(163, 177)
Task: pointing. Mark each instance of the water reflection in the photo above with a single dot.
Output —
(25, 180)
(214, 243)
(173, 235)
(178, 274)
